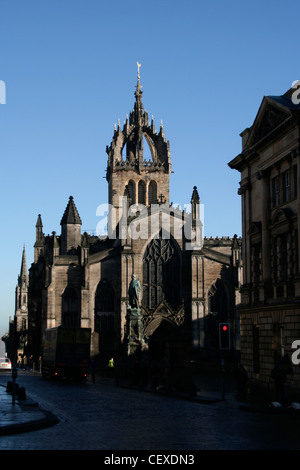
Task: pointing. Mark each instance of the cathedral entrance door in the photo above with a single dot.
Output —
(159, 342)
(168, 356)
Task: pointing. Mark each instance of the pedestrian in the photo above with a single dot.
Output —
(241, 378)
(40, 364)
(279, 375)
(111, 365)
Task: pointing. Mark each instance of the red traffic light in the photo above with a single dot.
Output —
(224, 335)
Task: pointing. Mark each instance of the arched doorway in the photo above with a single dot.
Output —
(168, 355)
(160, 342)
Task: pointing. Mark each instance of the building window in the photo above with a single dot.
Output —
(295, 253)
(255, 339)
(142, 192)
(279, 256)
(104, 307)
(152, 192)
(283, 257)
(275, 191)
(218, 301)
(70, 308)
(286, 186)
(130, 195)
(161, 274)
(274, 258)
(295, 180)
(256, 263)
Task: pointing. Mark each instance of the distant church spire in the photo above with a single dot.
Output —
(23, 278)
(21, 303)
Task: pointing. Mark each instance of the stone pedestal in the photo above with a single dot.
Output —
(134, 330)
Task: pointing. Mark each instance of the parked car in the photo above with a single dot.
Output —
(5, 363)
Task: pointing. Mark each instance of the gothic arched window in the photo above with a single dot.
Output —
(142, 192)
(218, 300)
(161, 274)
(152, 192)
(131, 192)
(104, 307)
(70, 308)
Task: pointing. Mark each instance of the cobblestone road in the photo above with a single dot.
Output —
(102, 416)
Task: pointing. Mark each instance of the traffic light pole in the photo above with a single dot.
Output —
(222, 375)
(224, 343)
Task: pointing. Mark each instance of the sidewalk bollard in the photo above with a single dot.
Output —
(14, 374)
(9, 387)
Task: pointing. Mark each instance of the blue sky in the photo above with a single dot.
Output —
(70, 71)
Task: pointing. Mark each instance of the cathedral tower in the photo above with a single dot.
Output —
(129, 173)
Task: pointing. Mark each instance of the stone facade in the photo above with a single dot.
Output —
(188, 283)
(270, 173)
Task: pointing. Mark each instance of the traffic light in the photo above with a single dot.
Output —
(224, 335)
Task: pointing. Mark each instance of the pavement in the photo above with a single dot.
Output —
(23, 414)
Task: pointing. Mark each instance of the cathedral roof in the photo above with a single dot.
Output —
(71, 215)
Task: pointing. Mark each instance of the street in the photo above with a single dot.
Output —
(103, 416)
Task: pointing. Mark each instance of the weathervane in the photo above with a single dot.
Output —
(139, 65)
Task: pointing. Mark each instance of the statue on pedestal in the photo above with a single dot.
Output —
(134, 292)
(134, 318)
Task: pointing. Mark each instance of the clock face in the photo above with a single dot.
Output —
(23, 307)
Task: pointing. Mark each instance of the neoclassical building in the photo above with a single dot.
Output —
(188, 283)
(269, 164)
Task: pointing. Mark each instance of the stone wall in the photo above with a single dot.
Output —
(287, 323)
